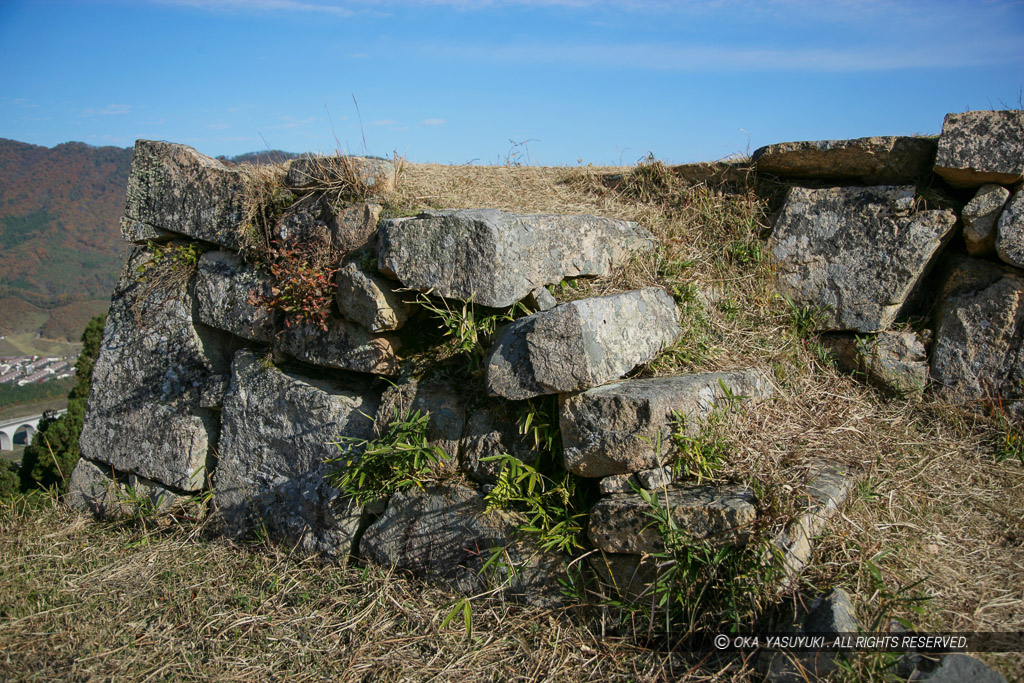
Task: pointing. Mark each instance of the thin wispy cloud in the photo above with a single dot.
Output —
(432, 122)
(383, 122)
(116, 110)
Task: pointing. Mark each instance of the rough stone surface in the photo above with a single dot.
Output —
(355, 226)
(225, 286)
(305, 221)
(541, 299)
(491, 430)
(980, 216)
(355, 176)
(1010, 239)
(627, 426)
(979, 147)
(855, 252)
(278, 429)
(894, 360)
(979, 336)
(581, 344)
(136, 232)
(832, 613)
(497, 258)
(96, 489)
(618, 483)
(825, 490)
(950, 668)
(655, 479)
(173, 187)
(369, 300)
(620, 523)
(343, 345)
(438, 532)
(437, 397)
(873, 161)
(155, 374)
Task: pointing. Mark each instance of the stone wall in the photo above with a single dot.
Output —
(200, 387)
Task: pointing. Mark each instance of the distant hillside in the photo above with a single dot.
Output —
(60, 240)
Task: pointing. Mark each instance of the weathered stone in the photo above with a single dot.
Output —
(436, 397)
(492, 430)
(278, 429)
(857, 253)
(627, 426)
(979, 147)
(832, 613)
(353, 176)
(304, 221)
(624, 576)
(355, 227)
(654, 479)
(438, 532)
(825, 490)
(621, 523)
(497, 258)
(949, 668)
(873, 161)
(96, 489)
(342, 345)
(581, 344)
(369, 300)
(173, 187)
(153, 376)
(225, 291)
(1010, 238)
(894, 360)
(980, 216)
(541, 299)
(137, 232)
(979, 336)
(618, 483)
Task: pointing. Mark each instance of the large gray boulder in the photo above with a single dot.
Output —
(873, 161)
(343, 345)
(439, 532)
(278, 429)
(228, 291)
(979, 147)
(581, 344)
(855, 253)
(622, 523)
(369, 300)
(156, 382)
(627, 426)
(497, 258)
(173, 187)
(978, 354)
(1010, 238)
(980, 217)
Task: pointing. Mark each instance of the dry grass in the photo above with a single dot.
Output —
(86, 601)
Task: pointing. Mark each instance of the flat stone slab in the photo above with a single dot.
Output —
(352, 176)
(343, 345)
(627, 426)
(156, 381)
(225, 287)
(440, 532)
(369, 300)
(979, 147)
(889, 160)
(95, 489)
(581, 344)
(978, 354)
(173, 187)
(278, 429)
(621, 523)
(855, 253)
(496, 258)
(1010, 231)
(980, 217)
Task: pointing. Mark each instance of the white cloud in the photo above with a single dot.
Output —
(432, 122)
(383, 122)
(116, 110)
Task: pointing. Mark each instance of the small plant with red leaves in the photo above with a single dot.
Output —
(303, 286)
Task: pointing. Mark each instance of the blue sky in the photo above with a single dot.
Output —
(456, 81)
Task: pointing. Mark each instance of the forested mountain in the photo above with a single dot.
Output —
(60, 240)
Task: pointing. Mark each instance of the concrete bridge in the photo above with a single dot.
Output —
(20, 430)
